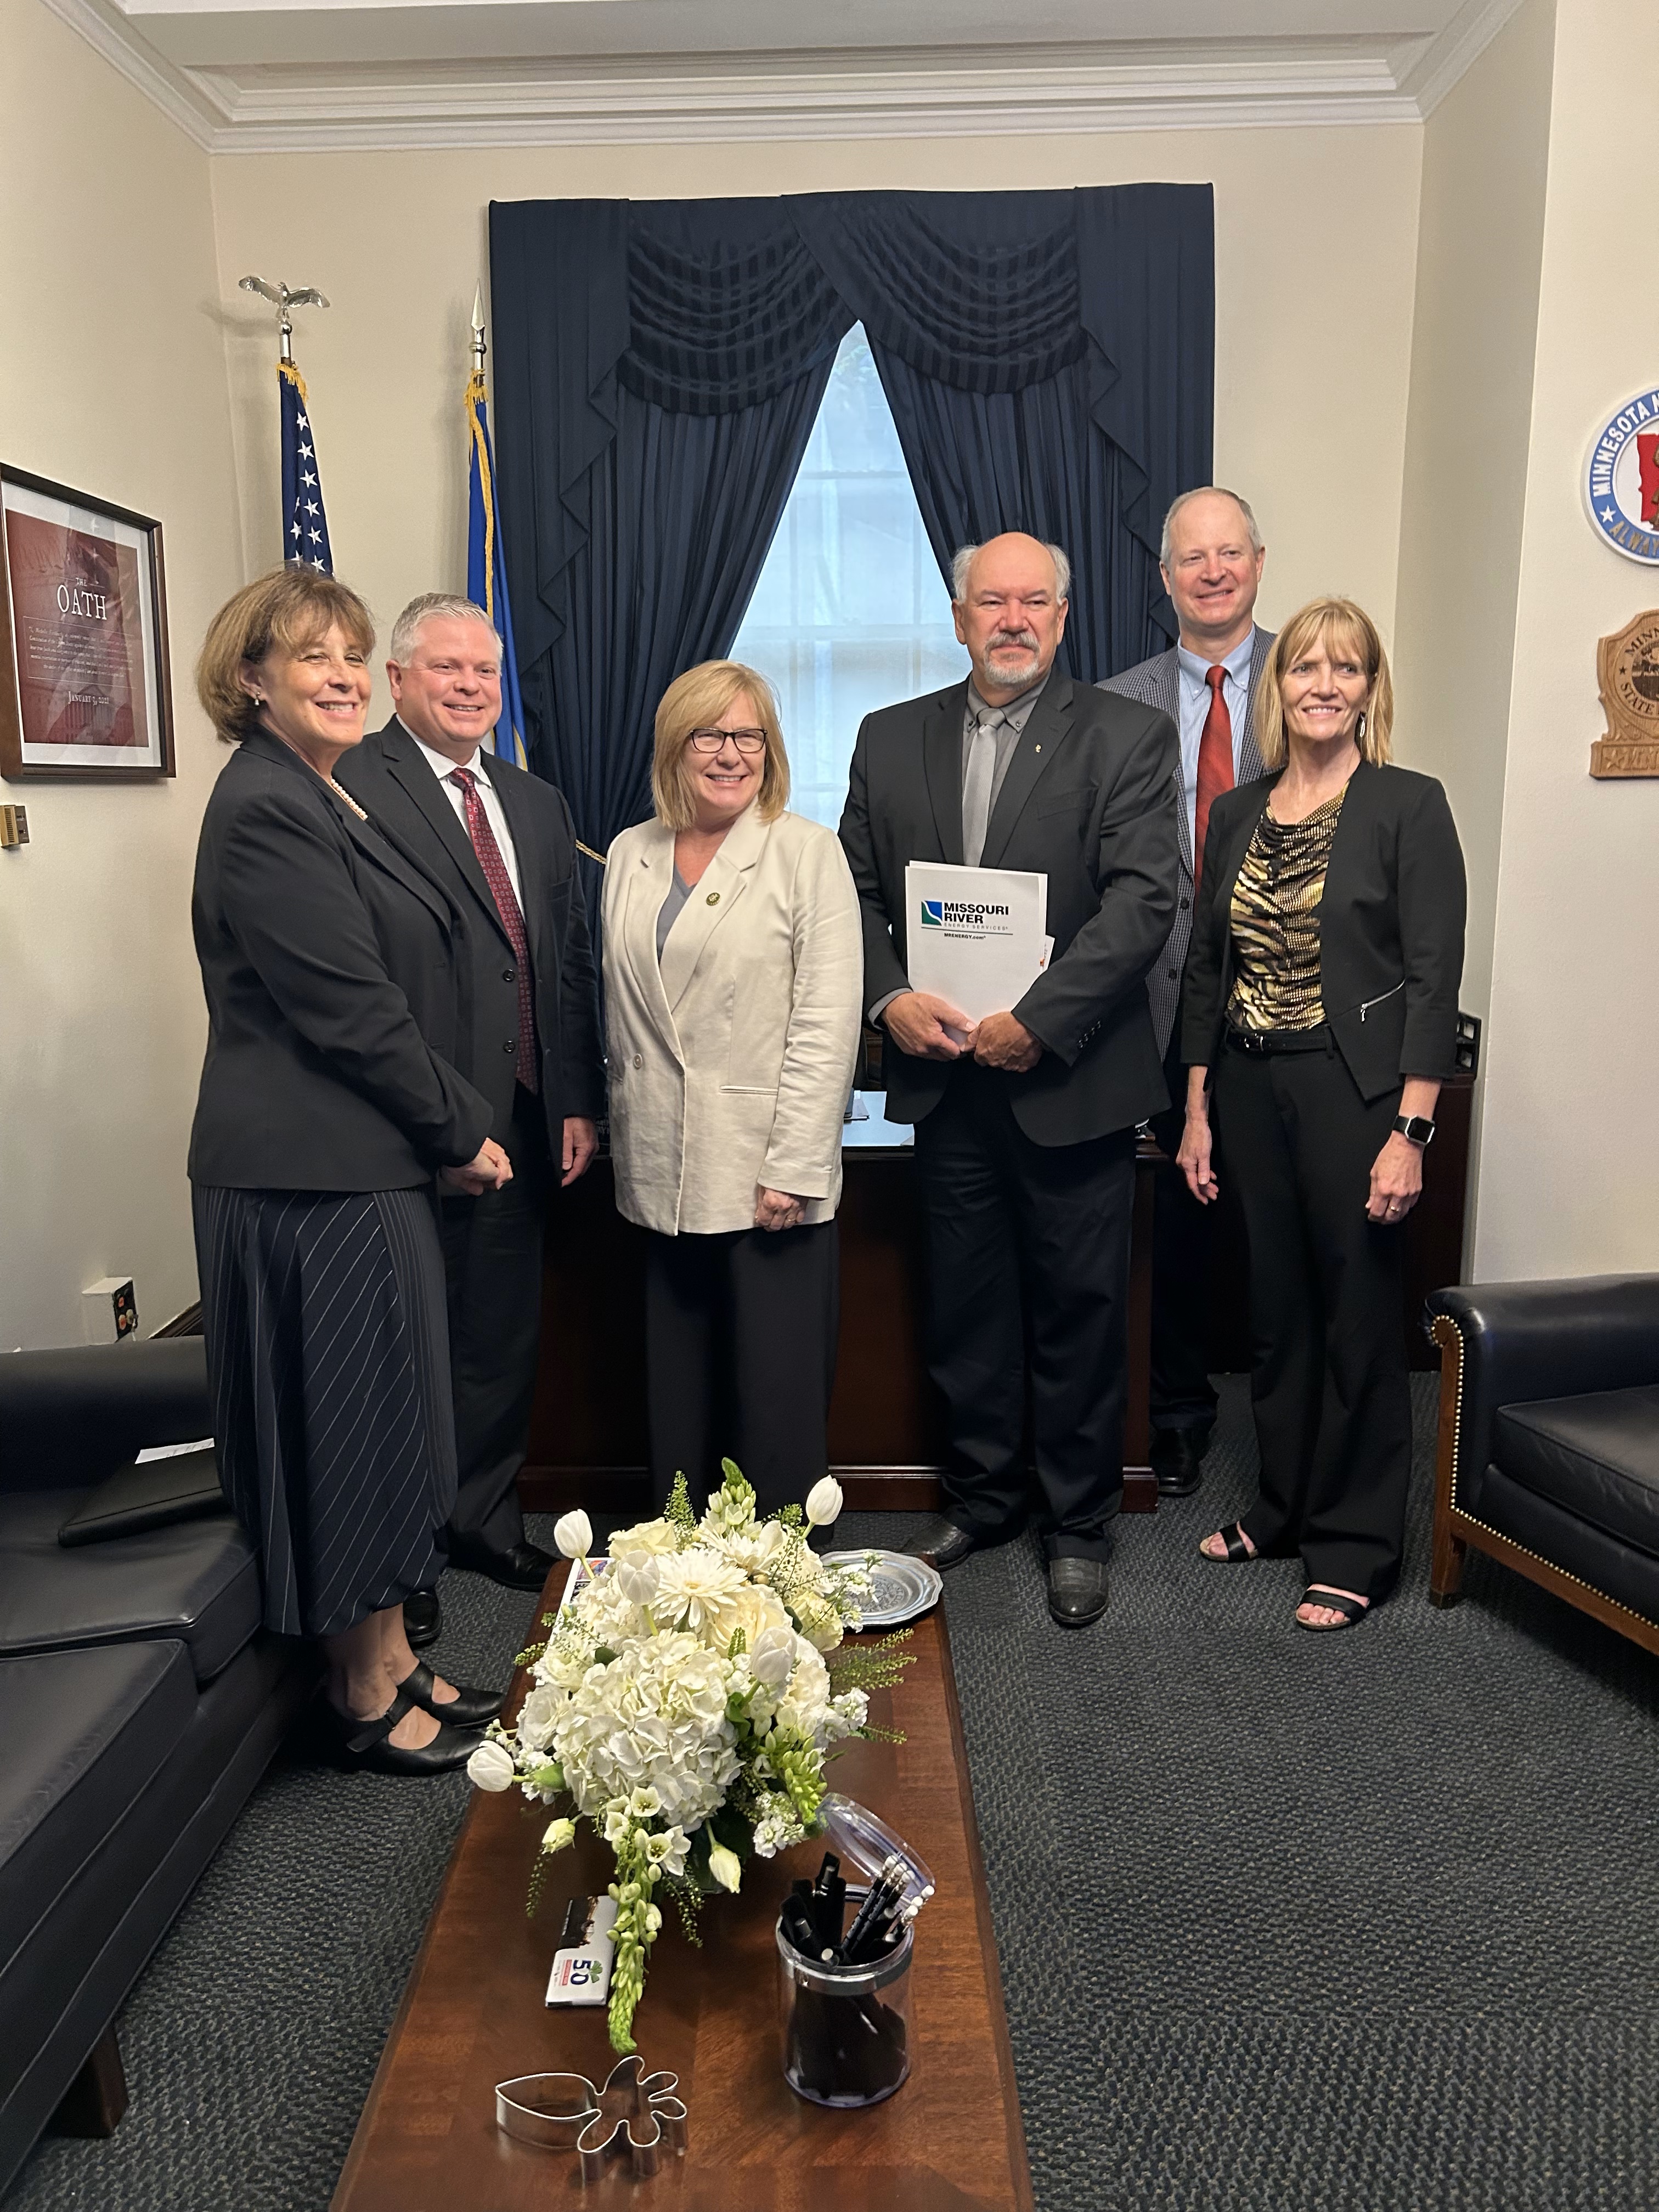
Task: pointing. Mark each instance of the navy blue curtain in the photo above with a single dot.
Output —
(1049, 357)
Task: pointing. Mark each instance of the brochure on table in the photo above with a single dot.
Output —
(976, 936)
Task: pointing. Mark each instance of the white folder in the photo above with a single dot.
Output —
(975, 936)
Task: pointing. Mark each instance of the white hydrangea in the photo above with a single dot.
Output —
(653, 1718)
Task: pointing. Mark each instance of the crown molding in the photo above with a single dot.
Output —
(909, 97)
(1455, 50)
(105, 29)
(1248, 85)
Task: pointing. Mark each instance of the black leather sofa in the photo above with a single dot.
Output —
(140, 1701)
(1548, 1451)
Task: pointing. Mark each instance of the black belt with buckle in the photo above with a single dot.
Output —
(1261, 1042)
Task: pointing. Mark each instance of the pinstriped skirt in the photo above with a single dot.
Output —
(328, 1360)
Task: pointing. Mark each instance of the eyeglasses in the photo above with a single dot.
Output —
(710, 741)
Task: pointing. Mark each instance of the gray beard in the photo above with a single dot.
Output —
(1017, 678)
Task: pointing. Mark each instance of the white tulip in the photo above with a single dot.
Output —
(573, 1534)
(560, 1834)
(726, 1867)
(636, 1577)
(490, 1767)
(773, 1659)
(824, 1502)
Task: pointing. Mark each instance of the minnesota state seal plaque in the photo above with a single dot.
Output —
(1627, 672)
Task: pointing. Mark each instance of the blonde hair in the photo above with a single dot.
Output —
(283, 612)
(696, 701)
(1341, 626)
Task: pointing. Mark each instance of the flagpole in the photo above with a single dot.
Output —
(306, 540)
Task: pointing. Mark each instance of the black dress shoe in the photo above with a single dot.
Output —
(423, 1620)
(941, 1541)
(467, 1708)
(363, 1743)
(1177, 1458)
(523, 1565)
(1076, 1591)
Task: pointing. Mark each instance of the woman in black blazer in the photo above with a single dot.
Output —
(1320, 1018)
(328, 1105)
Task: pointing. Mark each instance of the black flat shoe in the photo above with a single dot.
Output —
(1239, 1553)
(1353, 1609)
(1076, 1591)
(941, 1541)
(523, 1565)
(363, 1743)
(470, 1709)
(423, 1620)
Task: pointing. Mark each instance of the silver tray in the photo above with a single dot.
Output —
(903, 1586)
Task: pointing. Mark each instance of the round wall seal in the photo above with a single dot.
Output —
(1621, 479)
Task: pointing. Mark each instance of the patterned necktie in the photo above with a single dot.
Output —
(976, 785)
(501, 889)
(1215, 765)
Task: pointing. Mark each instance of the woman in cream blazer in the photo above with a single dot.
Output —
(733, 976)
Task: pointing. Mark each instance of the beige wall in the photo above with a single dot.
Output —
(1480, 241)
(112, 381)
(399, 240)
(1568, 1181)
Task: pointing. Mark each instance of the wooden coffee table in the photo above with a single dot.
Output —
(474, 2015)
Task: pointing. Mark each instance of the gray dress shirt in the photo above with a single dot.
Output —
(1010, 731)
(669, 912)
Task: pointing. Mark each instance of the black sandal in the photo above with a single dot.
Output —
(363, 1743)
(1238, 1552)
(1353, 1609)
(467, 1708)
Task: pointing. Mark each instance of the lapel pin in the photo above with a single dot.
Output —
(713, 898)
(1036, 749)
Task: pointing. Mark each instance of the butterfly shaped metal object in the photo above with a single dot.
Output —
(635, 2115)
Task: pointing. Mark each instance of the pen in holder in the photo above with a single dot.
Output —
(845, 2028)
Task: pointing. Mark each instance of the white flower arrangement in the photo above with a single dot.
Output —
(683, 1704)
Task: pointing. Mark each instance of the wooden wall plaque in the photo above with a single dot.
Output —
(1627, 672)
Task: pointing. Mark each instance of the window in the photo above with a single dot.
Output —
(850, 612)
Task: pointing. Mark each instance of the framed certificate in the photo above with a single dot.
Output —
(84, 685)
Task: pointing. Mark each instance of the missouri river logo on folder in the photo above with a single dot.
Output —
(967, 917)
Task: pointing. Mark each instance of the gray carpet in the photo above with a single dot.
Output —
(1286, 1923)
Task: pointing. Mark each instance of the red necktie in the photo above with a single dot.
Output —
(1215, 765)
(501, 889)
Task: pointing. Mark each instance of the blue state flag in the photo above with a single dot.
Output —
(486, 567)
(305, 525)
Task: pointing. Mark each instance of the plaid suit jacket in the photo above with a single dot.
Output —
(1156, 682)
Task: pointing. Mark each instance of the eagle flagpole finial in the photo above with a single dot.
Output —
(282, 299)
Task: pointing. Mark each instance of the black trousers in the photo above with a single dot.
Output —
(1328, 1381)
(1029, 1260)
(740, 1356)
(493, 1271)
(1183, 1246)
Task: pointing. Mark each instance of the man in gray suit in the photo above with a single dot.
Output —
(1213, 558)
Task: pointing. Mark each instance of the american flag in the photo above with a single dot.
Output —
(305, 525)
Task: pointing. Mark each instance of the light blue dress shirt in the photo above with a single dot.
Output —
(1195, 705)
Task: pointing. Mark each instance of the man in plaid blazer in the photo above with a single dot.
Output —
(1213, 558)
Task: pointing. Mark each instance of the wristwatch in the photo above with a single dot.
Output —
(1417, 1128)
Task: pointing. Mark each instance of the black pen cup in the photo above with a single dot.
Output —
(845, 2031)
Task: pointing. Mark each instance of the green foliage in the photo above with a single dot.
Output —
(687, 1898)
(878, 1666)
(677, 1511)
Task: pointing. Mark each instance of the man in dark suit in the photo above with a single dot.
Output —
(1025, 1121)
(1213, 558)
(504, 845)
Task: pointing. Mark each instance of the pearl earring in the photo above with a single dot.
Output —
(1360, 727)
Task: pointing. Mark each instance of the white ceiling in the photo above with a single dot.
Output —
(264, 76)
